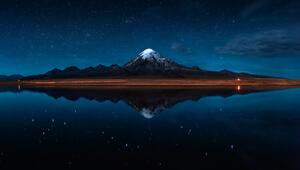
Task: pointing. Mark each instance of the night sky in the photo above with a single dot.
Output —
(255, 36)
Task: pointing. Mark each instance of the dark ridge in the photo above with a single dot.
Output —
(13, 77)
(149, 102)
(145, 65)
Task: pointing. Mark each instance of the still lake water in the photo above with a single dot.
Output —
(179, 129)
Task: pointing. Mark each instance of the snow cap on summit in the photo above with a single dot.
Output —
(147, 53)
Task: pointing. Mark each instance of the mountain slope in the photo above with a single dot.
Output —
(11, 77)
(148, 63)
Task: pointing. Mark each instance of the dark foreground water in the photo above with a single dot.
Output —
(150, 129)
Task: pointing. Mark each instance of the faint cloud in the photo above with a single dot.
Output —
(181, 48)
(263, 43)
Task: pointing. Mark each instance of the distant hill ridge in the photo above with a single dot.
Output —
(10, 77)
(148, 63)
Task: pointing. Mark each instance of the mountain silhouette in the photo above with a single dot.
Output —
(148, 102)
(148, 63)
(11, 77)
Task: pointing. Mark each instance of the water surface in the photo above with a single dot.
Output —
(209, 129)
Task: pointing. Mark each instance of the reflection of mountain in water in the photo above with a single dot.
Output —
(147, 102)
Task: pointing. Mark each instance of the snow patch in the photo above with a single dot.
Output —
(146, 113)
(148, 53)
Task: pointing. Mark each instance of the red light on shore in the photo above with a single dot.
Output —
(238, 79)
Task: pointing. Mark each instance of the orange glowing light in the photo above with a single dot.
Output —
(238, 79)
(238, 88)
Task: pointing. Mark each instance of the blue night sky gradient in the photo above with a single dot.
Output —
(256, 36)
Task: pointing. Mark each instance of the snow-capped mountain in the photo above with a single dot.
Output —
(147, 63)
(151, 62)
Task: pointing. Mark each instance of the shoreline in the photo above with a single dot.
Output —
(154, 83)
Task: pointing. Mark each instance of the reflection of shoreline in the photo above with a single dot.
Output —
(148, 102)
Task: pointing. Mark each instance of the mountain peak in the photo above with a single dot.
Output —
(149, 53)
(150, 62)
(147, 63)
